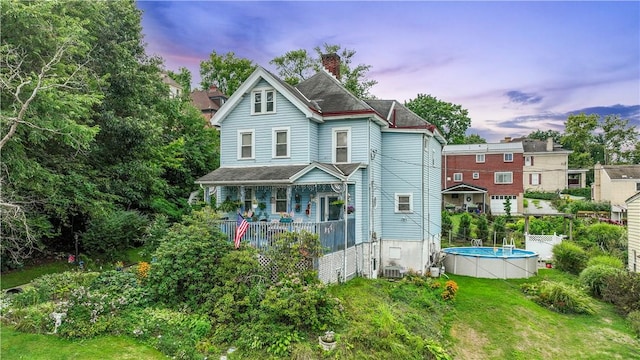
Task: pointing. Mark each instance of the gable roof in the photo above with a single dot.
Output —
(539, 146)
(622, 172)
(202, 100)
(296, 98)
(284, 174)
(463, 188)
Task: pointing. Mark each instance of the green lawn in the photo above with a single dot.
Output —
(495, 320)
(21, 277)
(16, 345)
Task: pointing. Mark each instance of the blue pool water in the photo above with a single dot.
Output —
(489, 252)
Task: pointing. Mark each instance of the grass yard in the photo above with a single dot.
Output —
(494, 320)
(17, 345)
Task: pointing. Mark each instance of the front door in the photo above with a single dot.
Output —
(327, 211)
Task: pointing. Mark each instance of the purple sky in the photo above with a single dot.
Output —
(516, 66)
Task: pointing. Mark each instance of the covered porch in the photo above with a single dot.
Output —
(318, 198)
(465, 198)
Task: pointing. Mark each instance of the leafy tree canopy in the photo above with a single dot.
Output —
(226, 71)
(450, 118)
(298, 65)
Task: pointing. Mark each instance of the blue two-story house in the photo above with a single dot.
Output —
(363, 174)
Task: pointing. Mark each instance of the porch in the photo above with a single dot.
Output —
(262, 234)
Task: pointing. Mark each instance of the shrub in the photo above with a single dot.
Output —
(623, 290)
(111, 232)
(605, 237)
(482, 227)
(464, 227)
(53, 287)
(634, 321)
(447, 223)
(541, 195)
(33, 319)
(185, 261)
(608, 260)
(450, 290)
(583, 192)
(569, 257)
(564, 298)
(594, 277)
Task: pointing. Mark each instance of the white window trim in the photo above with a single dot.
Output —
(476, 175)
(455, 177)
(495, 177)
(334, 143)
(274, 205)
(478, 156)
(504, 157)
(263, 103)
(397, 203)
(275, 144)
(253, 143)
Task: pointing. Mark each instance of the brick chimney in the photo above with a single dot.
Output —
(331, 62)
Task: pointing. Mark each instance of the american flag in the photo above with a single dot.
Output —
(241, 228)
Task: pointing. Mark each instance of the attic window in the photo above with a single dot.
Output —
(263, 101)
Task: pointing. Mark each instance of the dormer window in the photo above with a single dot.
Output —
(263, 101)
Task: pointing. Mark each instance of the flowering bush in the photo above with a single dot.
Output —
(143, 270)
(450, 290)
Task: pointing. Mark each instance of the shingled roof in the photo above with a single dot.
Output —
(622, 172)
(331, 97)
(283, 174)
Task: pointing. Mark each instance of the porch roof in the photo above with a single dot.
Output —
(464, 188)
(283, 174)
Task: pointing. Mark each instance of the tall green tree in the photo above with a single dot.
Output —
(298, 65)
(545, 134)
(474, 139)
(451, 119)
(182, 77)
(618, 139)
(48, 93)
(226, 71)
(578, 137)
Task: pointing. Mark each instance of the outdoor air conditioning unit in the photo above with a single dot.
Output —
(395, 272)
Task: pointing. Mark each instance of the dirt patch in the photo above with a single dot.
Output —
(470, 343)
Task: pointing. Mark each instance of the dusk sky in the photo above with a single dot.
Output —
(516, 66)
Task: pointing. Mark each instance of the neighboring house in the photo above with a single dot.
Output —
(481, 177)
(577, 178)
(364, 175)
(208, 101)
(175, 89)
(545, 165)
(633, 228)
(614, 184)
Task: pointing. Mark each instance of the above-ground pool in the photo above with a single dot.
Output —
(491, 262)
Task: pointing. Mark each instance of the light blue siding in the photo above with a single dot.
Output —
(359, 144)
(313, 141)
(402, 174)
(287, 115)
(317, 176)
(433, 188)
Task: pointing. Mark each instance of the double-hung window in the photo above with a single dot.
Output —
(479, 158)
(534, 179)
(341, 145)
(263, 101)
(404, 203)
(503, 177)
(246, 144)
(508, 157)
(528, 161)
(281, 142)
(457, 176)
(281, 200)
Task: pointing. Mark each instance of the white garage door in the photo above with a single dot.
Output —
(497, 204)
